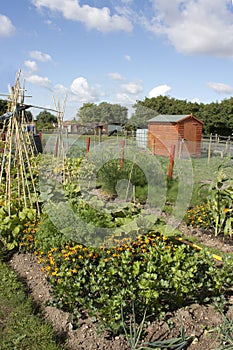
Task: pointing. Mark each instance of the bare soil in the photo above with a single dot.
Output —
(200, 321)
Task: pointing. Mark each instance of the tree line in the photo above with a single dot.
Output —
(216, 116)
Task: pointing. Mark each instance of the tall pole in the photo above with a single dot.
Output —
(171, 162)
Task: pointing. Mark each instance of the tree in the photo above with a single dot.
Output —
(3, 107)
(88, 113)
(141, 116)
(46, 120)
(102, 113)
(3, 110)
(112, 113)
(29, 116)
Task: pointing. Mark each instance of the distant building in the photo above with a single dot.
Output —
(182, 131)
(92, 128)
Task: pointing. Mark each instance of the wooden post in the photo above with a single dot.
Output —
(88, 141)
(100, 133)
(180, 147)
(209, 149)
(122, 152)
(56, 146)
(228, 147)
(171, 162)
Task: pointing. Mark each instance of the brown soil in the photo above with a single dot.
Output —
(200, 321)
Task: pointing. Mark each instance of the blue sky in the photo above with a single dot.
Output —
(118, 51)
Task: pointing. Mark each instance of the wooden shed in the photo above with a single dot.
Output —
(182, 131)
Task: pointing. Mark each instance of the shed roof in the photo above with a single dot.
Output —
(174, 118)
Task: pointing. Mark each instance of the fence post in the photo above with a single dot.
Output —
(228, 147)
(88, 141)
(171, 162)
(209, 149)
(122, 152)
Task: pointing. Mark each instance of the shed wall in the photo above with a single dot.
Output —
(186, 136)
(161, 137)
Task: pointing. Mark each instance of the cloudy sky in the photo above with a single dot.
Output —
(118, 51)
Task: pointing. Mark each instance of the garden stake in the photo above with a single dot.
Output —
(130, 176)
(171, 163)
(193, 245)
(88, 141)
(122, 152)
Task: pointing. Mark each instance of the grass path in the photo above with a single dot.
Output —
(21, 327)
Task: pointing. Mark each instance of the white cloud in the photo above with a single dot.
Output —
(38, 80)
(159, 90)
(31, 65)
(83, 92)
(132, 88)
(195, 27)
(40, 56)
(116, 76)
(60, 89)
(93, 17)
(128, 58)
(124, 99)
(220, 88)
(6, 26)
(52, 25)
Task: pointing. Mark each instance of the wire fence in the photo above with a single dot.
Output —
(209, 147)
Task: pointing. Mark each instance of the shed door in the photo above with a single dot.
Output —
(190, 135)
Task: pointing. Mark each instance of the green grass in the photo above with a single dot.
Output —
(21, 327)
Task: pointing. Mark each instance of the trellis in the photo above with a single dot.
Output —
(17, 153)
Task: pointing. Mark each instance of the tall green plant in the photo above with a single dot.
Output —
(134, 332)
(220, 200)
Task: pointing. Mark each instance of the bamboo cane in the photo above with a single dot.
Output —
(20, 159)
(31, 175)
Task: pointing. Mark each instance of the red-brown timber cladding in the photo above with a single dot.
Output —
(185, 135)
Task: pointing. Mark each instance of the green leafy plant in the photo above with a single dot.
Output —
(220, 200)
(11, 226)
(112, 172)
(151, 270)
